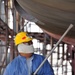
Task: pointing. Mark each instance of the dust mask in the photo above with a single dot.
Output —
(24, 48)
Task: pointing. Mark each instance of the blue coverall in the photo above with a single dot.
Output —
(19, 66)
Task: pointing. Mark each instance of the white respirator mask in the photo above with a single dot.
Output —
(24, 48)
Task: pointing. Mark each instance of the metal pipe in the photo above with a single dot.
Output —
(53, 48)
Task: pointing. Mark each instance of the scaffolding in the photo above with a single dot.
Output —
(62, 58)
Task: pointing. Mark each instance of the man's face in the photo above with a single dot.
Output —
(26, 48)
(27, 55)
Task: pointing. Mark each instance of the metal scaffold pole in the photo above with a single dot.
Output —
(53, 48)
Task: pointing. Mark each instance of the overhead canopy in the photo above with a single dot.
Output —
(52, 15)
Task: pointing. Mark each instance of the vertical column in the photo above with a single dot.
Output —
(73, 61)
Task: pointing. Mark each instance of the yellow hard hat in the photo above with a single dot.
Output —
(21, 37)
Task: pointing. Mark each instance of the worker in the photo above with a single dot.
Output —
(27, 62)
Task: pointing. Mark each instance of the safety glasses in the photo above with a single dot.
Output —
(28, 43)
